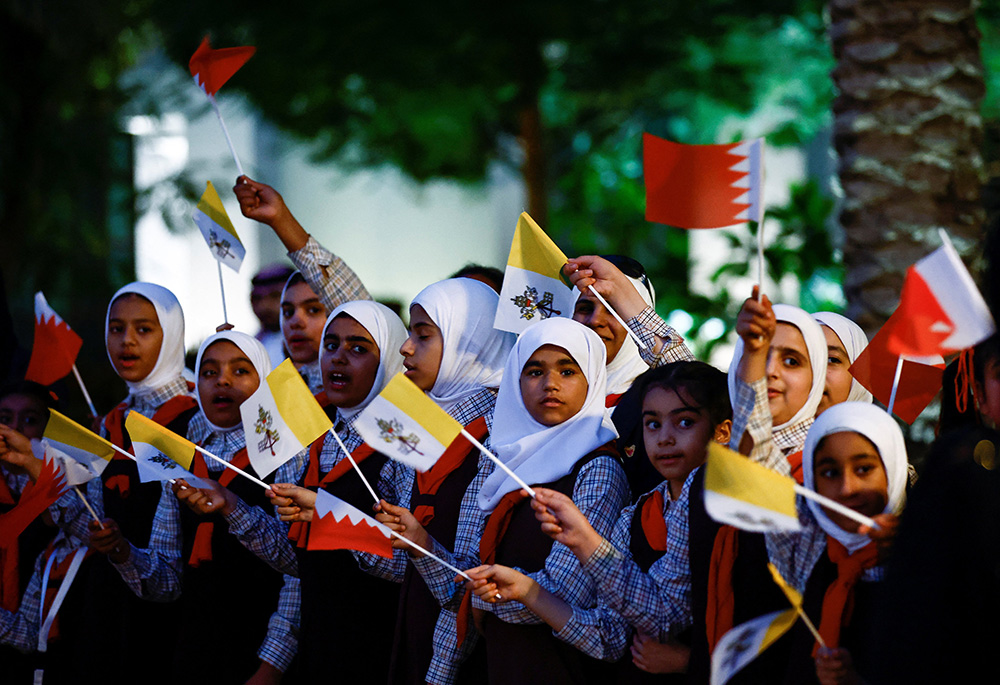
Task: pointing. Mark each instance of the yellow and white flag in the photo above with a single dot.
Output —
(218, 230)
(160, 454)
(745, 642)
(83, 445)
(281, 419)
(746, 495)
(407, 425)
(533, 285)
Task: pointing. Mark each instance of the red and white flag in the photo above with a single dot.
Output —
(212, 68)
(703, 186)
(35, 498)
(338, 525)
(940, 309)
(56, 345)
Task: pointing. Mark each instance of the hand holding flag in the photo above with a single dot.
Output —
(211, 69)
(281, 419)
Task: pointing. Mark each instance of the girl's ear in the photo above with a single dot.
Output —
(723, 432)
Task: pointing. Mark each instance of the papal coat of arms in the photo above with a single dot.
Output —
(530, 304)
(263, 426)
(392, 431)
(221, 247)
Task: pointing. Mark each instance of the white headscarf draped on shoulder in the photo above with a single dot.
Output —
(882, 430)
(170, 361)
(473, 352)
(255, 352)
(854, 340)
(628, 364)
(539, 453)
(818, 354)
(388, 332)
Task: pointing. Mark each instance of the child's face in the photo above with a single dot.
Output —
(25, 414)
(676, 432)
(789, 373)
(226, 378)
(553, 386)
(302, 319)
(134, 337)
(597, 318)
(349, 362)
(422, 350)
(989, 392)
(848, 469)
(838, 377)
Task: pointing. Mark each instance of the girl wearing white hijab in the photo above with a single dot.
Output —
(854, 454)
(845, 342)
(790, 391)
(572, 454)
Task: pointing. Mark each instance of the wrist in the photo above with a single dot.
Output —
(588, 546)
(230, 504)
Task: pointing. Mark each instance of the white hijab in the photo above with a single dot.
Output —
(855, 341)
(628, 364)
(388, 332)
(818, 354)
(473, 352)
(882, 430)
(539, 453)
(170, 361)
(255, 352)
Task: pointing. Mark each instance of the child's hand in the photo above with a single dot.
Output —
(16, 453)
(835, 667)
(259, 201)
(653, 656)
(294, 503)
(400, 520)
(497, 584)
(205, 500)
(608, 280)
(109, 540)
(564, 523)
(883, 535)
(755, 323)
(266, 675)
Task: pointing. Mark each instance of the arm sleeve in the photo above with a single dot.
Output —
(752, 415)
(282, 641)
(264, 535)
(155, 573)
(332, 279)
(663, 344)
(395, 484)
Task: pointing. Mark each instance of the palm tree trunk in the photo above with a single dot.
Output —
(907, 129)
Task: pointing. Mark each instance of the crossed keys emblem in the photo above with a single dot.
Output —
(530, 304)
(221, 247)
(263, 426)
(163, 461)
(392, 431)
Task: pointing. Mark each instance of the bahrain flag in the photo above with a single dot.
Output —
(338, 525)
(35, 498)
(212, 68)
(56, 345)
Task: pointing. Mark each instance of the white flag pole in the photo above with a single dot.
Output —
(86, 503)
(895, 385)
(355, 465)
(86, 395)
(225, 131)
(229, 466)
(222, 288)
(496, 460)
(760, 252)
(836, 506)
(619, 319)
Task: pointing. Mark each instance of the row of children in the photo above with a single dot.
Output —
(612, 570)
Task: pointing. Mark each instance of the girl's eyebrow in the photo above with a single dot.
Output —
(792, 351)
(685, 408)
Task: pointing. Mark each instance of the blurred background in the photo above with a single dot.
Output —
(407, 137)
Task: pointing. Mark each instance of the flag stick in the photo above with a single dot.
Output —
(355, 465)
(215, 106)
(836, 506)
(432, 556)
(133, 458)
(607, 306)
(86, 395)
(810, 626)
(87, 504)
(895, 385)
(229, 466)
(760, 251)
(796, 602)
(496, 460)
(222, 288)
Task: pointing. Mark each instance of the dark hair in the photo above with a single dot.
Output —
(492, 275)
(702, 383)
(633, 269)
(269, 275)
(983, 353)
(295, 279)
(30, 389)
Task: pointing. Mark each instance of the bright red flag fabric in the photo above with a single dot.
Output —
(702, 186)
(920, 326)
(919, 382)
(212, 68)
(35, 498)
(338, 525)
(56, 345)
